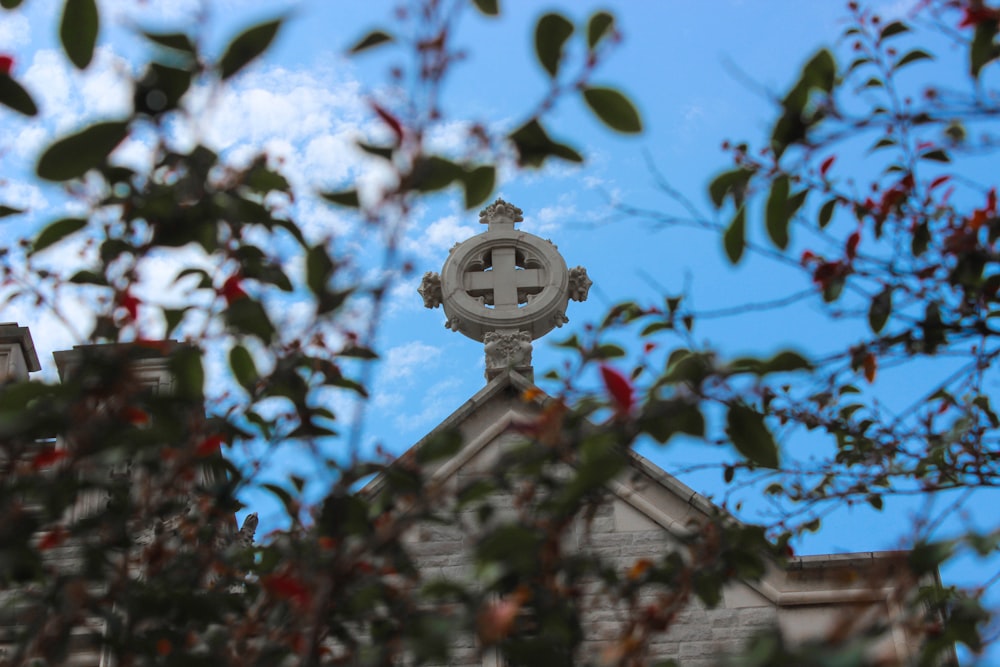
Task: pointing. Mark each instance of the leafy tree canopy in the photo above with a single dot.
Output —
(906, 246)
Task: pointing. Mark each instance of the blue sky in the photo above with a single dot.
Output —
(699, 72)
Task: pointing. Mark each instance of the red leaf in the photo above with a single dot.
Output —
(825, 167)
(288, 587)
(52, 539)
(389, 120)
(232, 290)
(619, 388)
(871, 366)
(973, 17)
(852, 245)
(938, 181)
(807, 256)
(130, 304)
(6, 64)
(47, 457)
(827, 272)
(135, 416)
(648, 347)
(209, 445)
(991, 201)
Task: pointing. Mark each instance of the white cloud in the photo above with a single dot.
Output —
(15, 31)
(19, 194)
(403, 360)
(550, 218)
(440, 235)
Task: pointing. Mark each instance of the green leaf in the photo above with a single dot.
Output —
(244, 368)
(664, 419)
(264, 180)
(936, 155)
(982, 49)
(435, 173)
(751, 437)
(880, 309)
(654, 327)
(921, 239)
(783, 362)
(178, 41)
(598, 26)
(479, 183)
(160, 89)
(384, 152)
(856, 63)
(10, 4)
(777, 212)
(614, 109)
(983, 403)
(534, 146)
(786, 362)
(75, 155)
(894, 28)
(608, 351)
(795, 201)
(551, 34)
(372, 39)
(78, 31)
(247, 46)
(734, 238)
(826, 213)
(85, 277)
(185, 364)
(821, 71)
(344, 198)
(358, 352)
(172, 318)
(319, 268)
(7, 210)
(686, 366)
(248, 316)
(912, 57)
(488, 7)
(882, 143)
(56, 232)
(729, 183)
(13, 95)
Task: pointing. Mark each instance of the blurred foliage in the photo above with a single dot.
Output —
(145, 563)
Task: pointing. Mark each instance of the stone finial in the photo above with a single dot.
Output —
(504, 287)
(430, 290)
(579, 283)
(244, 538)
(500, 213)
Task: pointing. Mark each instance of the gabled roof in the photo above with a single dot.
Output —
(802, 590)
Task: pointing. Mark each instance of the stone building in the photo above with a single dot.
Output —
(647, 510)
(506, 287)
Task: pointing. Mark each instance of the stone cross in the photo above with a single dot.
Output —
(505, 288)
(504, 283)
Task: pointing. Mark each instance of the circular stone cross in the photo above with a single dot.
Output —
(504, 280)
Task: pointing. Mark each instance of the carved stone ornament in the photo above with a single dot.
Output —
(430, 290)
(579, 283)
(504, 282)
(507, 349)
